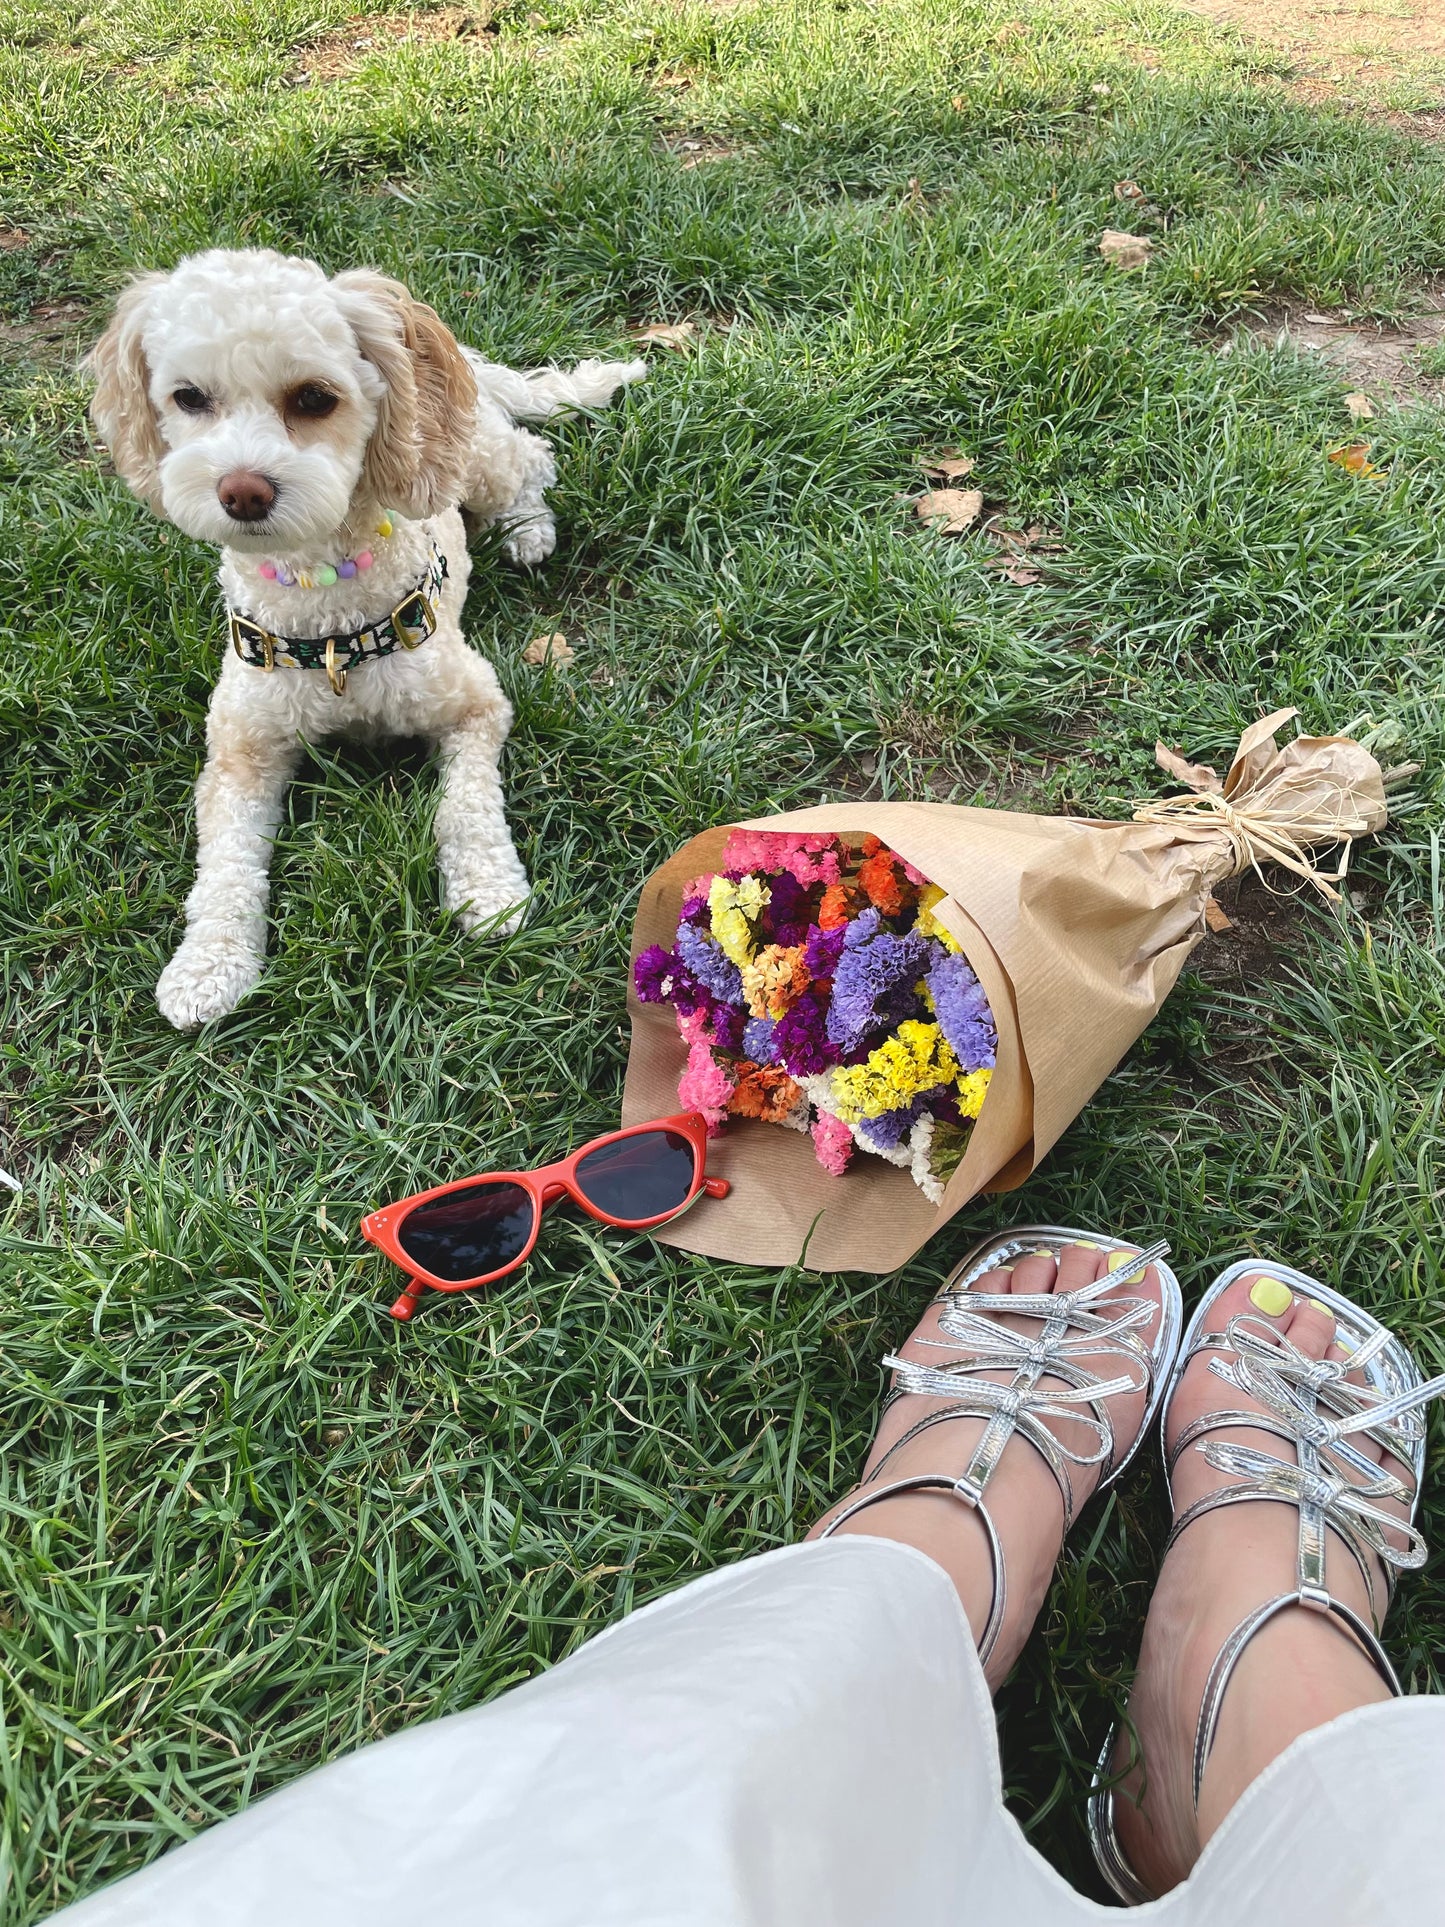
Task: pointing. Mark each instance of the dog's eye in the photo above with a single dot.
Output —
(192, 401)
(311, 400)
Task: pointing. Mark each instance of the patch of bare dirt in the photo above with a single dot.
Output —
(49, 334)
(1254, 933)
(1351, 52)
(1379, 362)
(334, 55)
(698, 150)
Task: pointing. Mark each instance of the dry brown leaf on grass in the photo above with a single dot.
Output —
(666, 334)
(1122, 250)
(1354, 458)
(950, 465)
(13, 238)
(1128, 191)
(1023, 551)
(952, 511)
(1035, 536)
(545, 649)
(1020, 540)
(1360, 406)
(1197, 776)
(1215, 917)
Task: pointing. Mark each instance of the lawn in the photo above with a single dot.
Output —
(248, 1523)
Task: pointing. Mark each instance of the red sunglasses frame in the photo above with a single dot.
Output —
(544, 1186)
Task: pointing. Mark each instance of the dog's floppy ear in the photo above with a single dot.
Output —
(121, 405)
(417, 457)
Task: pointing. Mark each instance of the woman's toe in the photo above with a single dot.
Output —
(1036, 1273)
(1309, 1326)
(1079, 1265)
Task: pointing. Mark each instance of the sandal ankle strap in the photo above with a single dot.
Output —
(968, 1494)
(1232, 1651)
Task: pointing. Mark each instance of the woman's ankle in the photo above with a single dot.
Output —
(1299, 1672)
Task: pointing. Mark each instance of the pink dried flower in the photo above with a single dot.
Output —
(705, 1086)
(811, 859)
(833, 1143)
(692, 1028)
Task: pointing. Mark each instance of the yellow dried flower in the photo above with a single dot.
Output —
(732, 908)
(928, 925)
(917, 1059)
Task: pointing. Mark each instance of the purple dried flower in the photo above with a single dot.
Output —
(709, 964)
(888, 1131)
(789, 910)
(652, 974)
(823, 949)
(727, 1025)
(875, 987)
(758, 1040)
(800, 1038)
(963, 1013)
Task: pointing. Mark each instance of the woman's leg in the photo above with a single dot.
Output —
(1023, 1497)
(1299, 1672)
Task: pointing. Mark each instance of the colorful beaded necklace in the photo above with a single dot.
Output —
(330, 572)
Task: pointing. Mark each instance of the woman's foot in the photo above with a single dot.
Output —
(1299, 1671)
(1023, 1497)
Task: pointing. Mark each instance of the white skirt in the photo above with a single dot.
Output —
(802, 1740)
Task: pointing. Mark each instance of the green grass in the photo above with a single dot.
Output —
(248, 1523)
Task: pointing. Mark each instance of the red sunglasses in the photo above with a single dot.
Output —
(468, 1233)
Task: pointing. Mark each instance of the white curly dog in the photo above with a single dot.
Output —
(326, 432)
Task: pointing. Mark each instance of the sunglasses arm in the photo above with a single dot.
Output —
(406, 1304)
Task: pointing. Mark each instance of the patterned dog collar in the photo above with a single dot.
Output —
(412, 622)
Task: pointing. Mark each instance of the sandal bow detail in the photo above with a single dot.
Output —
(1074, 1326)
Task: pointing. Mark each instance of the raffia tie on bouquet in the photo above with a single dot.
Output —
(1275, 805)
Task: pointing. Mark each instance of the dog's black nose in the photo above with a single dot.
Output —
(245, 495)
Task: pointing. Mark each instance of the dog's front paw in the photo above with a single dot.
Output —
(479, 900)
(206, 978)
(530, 542)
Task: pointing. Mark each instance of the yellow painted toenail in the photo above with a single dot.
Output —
(1324, 1308)
(1118, 1259)
(1272, 1295)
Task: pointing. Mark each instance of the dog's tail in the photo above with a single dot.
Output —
(534, 396)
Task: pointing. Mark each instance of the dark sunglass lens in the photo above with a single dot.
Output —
(638, 1177)
(468, 1233)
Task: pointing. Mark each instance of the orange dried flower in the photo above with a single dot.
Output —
(881, 883)
(765, 1092)
(833, 910)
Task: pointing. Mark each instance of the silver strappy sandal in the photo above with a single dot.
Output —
(1311, 1406)
(1075, 1326)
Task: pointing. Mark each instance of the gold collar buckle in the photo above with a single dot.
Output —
(414, 613)
(336, 677)
(244, 634)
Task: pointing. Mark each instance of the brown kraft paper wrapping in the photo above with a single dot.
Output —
(1077, 930)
